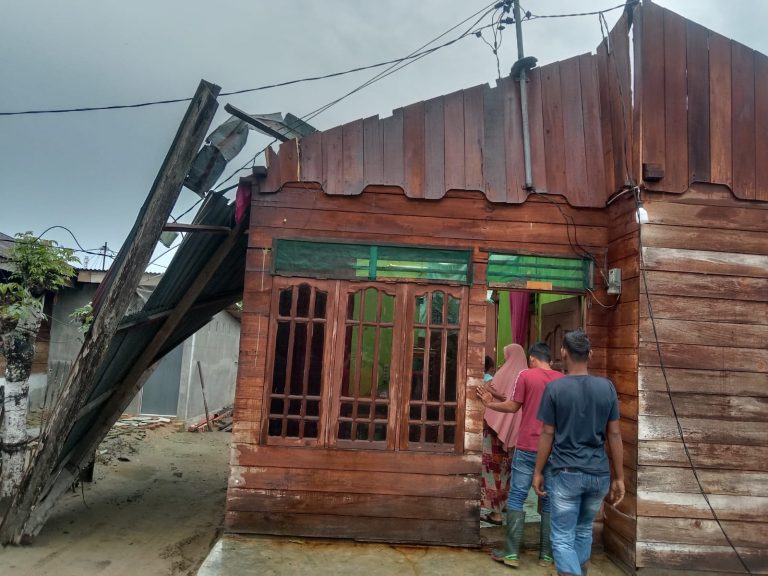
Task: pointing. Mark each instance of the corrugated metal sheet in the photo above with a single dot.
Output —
(138, 330)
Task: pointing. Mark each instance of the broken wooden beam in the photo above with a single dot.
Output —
(178, 227)
(109, 308)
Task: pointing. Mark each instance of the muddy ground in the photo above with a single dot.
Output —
(156, 507)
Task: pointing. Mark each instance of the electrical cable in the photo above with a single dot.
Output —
(62, 228)
(162, 254)
(414, 55)
(578, 249)
(93, 252)
(530, 16)
(398, 65)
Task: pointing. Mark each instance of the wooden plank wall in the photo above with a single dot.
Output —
(469, 140)
(706, 256)
(704, 107)
(621, 367)
(396, 496)
(616, 108)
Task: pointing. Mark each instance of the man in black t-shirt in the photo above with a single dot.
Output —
(578, 411)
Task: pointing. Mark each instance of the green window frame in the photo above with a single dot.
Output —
(544, 273)
(370, 262)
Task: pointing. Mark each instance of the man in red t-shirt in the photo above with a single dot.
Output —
(527, 394)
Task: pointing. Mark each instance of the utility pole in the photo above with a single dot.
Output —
(104, 257)
(523, 79)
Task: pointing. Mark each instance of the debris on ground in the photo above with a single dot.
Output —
(221, 421)
(121, 440)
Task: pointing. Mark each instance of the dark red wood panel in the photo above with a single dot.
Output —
(289, 161)
(454, 141)
(612, 183)
(536, 124)
(619, 72)
(494, 169)
(743, 120)
(473, 138)
(635, 68)
(576, 186)
(554, 143)
(392, 129)
(352, 157)
(513, 140)
(434, 149)
(274, 181)
(761, 127)
(373, 151)
(675, 111)
(697, 55)
(720, 109)
(333, 165)
(311, 156)
(356, 527)
(653, 89)
(597, 191)
(413, 145)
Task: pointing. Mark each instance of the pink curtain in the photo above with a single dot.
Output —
(518, 306)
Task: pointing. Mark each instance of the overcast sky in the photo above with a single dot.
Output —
(92, 171)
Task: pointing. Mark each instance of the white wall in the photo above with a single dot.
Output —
(216, 346)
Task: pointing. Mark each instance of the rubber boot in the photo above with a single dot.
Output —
(510, 554)
(546, 558)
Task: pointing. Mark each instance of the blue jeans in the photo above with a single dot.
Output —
(576, 498)
(523, 465)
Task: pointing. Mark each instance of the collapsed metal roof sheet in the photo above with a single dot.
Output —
(137, 331)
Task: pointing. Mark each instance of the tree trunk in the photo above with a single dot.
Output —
(19, 350)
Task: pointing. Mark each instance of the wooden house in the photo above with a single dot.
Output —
(372, 250)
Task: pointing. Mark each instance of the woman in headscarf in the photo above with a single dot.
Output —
(499, 436)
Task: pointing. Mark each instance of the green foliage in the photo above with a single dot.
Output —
(40, 265)
(16, 303)
(83, 316)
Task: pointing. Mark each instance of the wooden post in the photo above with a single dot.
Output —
(205, 402)
(111, 304)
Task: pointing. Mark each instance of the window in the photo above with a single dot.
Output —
(366, 365)
(539, 272)
(370, 262)
(434, 371)
(368, 338)
(295, 398)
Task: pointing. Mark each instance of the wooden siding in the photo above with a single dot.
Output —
(704, 101)
(621, 367)
(395, 496)
(709, 295)
(616, 112)
(468, 140)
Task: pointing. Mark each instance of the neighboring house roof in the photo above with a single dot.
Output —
(5, 244)
(96, 276)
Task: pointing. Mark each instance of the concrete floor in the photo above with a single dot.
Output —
(267, 556)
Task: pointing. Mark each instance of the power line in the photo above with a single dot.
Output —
(415, 55)
(531, 16)
(396, 66)
(93, 252)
